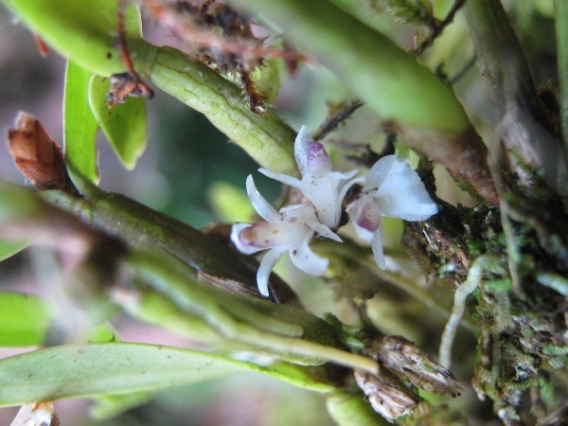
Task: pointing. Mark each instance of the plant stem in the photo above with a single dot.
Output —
(500, 57)
(561, 13)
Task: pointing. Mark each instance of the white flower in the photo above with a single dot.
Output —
(324, 188)
(391, 189)
(291, 229)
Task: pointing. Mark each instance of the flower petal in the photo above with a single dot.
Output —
(263, 207)
(379, 172)
(322, 191)
(306, 260)
(301, 148)
(266, 266)
(402, 194)
(242, 244)
(281, 177)
(324, 231)
(318, 161)
(377, 246)
(365, 215)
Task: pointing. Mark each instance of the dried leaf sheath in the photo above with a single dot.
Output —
(38, 156)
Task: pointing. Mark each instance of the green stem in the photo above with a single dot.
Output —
(198, 254)
(522, 126)
(501, 58)
(561, 13)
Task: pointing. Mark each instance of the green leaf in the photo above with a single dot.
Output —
(77, 371)
(106, 407)
(10, 248)
(80, 126)
(124, 125)
(265, 137)
(83, 31)
(386, 77)
(24, 319)
(352, 409)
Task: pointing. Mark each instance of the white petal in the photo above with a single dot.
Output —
(377, 246)
(322, 192)
(263, 207)
(317, 159)
(266, 265)
(241, 244)
(402, 194)
(301, 148)
(298, 213)
(379, 172)
(306, 260)
(365, 215)
(363, 233)
(281, 177)
(324, 231)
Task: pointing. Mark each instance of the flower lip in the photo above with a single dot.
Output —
(391, 189)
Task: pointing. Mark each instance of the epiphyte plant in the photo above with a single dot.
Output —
(501, 252)
(391, 188)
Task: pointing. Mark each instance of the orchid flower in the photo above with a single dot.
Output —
(324, 188)
(392, 189)
(291, 229)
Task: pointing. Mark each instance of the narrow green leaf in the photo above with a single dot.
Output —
(124, 125)
(77, 371)
(80, 126)
(10, 248)
(83, 31)
(24, 319)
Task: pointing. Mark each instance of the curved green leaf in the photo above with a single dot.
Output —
(389, 79)
(265, 137)
(83, 31)
(77, 371)
(348, 409)
(80, 126)
(124, 125)
(10, 248)
(24, 320)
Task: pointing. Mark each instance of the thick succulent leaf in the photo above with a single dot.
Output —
(80, 126)
(124, 125)
(83, 31)
(86, 33)
(24, 320)
(265, 137)
(377, 70)
(88, 370)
